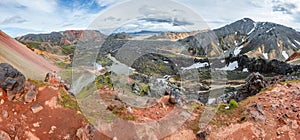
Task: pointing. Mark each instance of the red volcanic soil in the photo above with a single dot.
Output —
(18, 55)
(52, 122)
(272, 114)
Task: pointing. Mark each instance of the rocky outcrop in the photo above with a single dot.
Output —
(14, 84)
(262, 65)
(254, 83)
(155, 64)
(11, 81)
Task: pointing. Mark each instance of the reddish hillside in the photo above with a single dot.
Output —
(294, 57)
(30, 64)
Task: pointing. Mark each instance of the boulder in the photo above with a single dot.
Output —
(11, 81)
(37, 108)
(30, 91)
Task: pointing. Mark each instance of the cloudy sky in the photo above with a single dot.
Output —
(19, 17)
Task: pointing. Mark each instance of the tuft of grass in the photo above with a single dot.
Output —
(233, 104)
(130, 118)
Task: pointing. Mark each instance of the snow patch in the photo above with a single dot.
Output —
(195, 66)
(98, 66)
(245, 70)
(231, 66)
(235, 43)
(285, 55)
(211, 101)
(297, 42)
(294, 45)
(270, 29)
(166, 62)
(266, 55)
(252, 29)
(238, 50)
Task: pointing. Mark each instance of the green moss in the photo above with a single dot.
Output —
(103, 80)
(130, 117)
(104, 61)
(68, 101)
(38, 83)
(233, 104)
(68, 49)
(145, 89)
(61, 64)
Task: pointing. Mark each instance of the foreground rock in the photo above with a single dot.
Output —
(13, 84)
(11, 81)
(86, 133)
(30, 91)
(37, 108)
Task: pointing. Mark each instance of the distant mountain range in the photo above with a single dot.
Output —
(68, 37)
(255, 39)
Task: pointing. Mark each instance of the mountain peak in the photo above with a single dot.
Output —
(247, 20)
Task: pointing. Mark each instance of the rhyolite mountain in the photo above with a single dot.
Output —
(68, 37)
(19, 56)
(255, 39)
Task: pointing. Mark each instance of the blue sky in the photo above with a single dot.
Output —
(19, 17)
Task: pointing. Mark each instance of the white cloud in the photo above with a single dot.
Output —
(219, 12)
(49, 15)
(109, 2)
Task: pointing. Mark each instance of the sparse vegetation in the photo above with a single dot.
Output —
(130, 117)
(33, 45)
(68, 101)
(61, 64)
(68, 49)
(103, 80)
(38, 83)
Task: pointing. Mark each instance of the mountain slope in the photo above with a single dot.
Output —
(22, 58)
(261, 39)
(255, 39)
